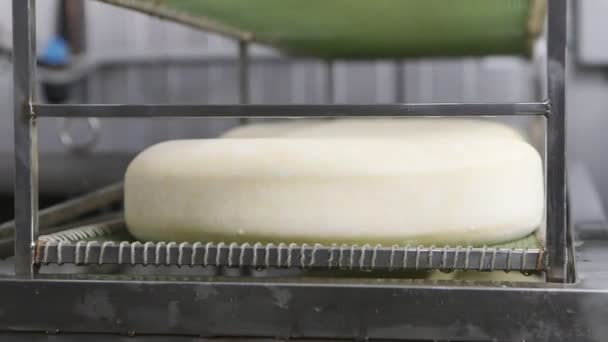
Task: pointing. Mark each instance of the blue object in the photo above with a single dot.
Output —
(57, 52)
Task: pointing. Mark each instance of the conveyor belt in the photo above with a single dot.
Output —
(363, 28)
(102, 244)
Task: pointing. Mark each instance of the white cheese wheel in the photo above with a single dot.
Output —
(277, 128)
(410, 128)
(413, 190)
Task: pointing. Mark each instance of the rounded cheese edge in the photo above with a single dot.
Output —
(190, 191)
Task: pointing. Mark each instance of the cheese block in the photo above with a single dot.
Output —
(277, 128)
(468, 189)
(410, 128)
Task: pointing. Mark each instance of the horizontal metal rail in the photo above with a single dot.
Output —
(275, 111)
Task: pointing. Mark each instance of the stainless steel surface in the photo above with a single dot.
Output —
(63, 212)
(372, 308)
(362, 308)
(316, 307)
(26, 146)
(283, 111)
(556, 148)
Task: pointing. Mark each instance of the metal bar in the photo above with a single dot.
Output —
(62, 212)
(26, 144)
(330, 84)
(399, 81)
(282, 308)
(269, 111)
(556, 146)
(58, 249)
(244, 96)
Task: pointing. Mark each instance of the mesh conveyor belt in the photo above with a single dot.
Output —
(90, 245)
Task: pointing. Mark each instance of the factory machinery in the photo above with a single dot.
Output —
(70, 268)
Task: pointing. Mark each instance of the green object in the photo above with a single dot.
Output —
(364, 28)
(530, 241)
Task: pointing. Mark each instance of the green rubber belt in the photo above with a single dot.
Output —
(364, 28)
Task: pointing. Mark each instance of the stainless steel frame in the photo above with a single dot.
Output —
(282, 111)
(557, 229)
(303, 307)
(26, 143)
(363, 308)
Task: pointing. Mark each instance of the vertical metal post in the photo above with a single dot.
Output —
(556, 145)
(244, 72)
(329, 82)
(399, 81)
(244, 97)
(26, 144)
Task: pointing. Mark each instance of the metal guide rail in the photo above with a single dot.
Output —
(81, 246)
